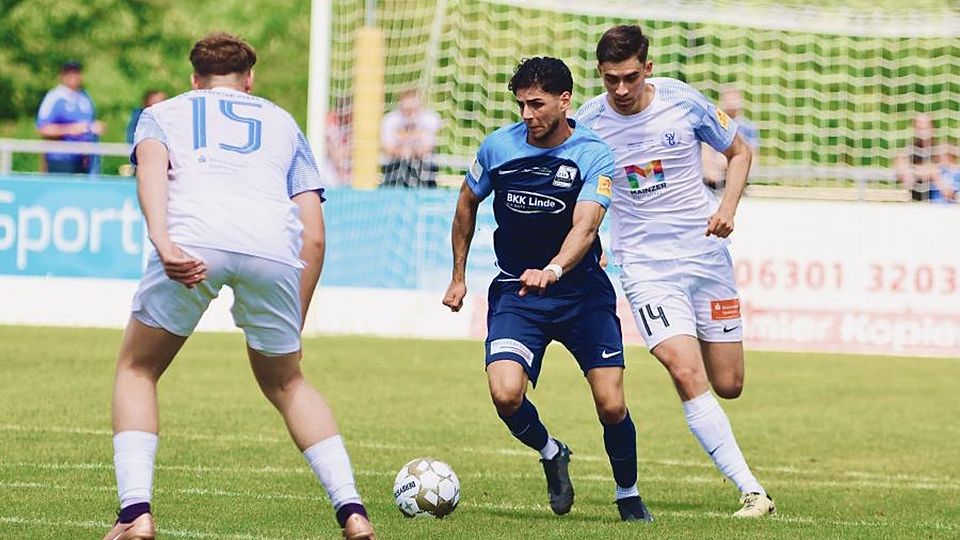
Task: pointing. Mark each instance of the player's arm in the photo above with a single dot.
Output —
(152, 161)
(314, 246)
(305, 188)
(464, 224)
(739, 156)
(587, 216)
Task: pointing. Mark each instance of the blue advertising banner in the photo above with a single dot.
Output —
(64, 227)
(386, 238)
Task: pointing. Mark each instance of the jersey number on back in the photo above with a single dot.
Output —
(254, 125)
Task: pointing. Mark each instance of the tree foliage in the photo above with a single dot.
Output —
(129, 46)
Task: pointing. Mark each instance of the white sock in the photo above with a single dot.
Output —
(550, 450)
(330, 462)
(711, 427)
(623, 493)
(133, 456)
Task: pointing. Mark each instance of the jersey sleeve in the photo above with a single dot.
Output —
(598, 175)
(147, 128)
(478, 175)
(714, 126)
(49, 109)
(303, 175)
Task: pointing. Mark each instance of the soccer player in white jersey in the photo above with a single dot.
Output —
(670, 237)
(232, 197)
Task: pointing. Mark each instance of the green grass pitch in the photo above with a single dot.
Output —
(850, 447)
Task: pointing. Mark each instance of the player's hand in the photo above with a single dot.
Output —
(536, 281)
(453, 299)
(720, 224)
(181, 267)
(603, 260)
(97, 127)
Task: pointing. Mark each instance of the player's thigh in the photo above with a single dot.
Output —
(274, 373)
(725, 368)
(267, 305)
(660, 301)
(593, 336)
(716, 299)
(517, 339)
(147, 349)
(161, 302)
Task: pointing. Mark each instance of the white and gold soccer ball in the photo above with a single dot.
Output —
(426, 487)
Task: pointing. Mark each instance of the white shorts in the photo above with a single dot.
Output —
(266, 298)
(695, 296)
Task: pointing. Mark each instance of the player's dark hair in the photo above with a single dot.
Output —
(221, 53)
(622, 43)
(550, 74)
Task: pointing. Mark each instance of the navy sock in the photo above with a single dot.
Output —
(620, 441)
(348, 510)
(526, 426)
(132, 512)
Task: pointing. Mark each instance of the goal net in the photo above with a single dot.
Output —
(831, 90)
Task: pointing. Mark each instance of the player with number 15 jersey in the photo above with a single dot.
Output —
(236, 160)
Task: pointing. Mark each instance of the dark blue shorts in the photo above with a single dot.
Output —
(582, 318)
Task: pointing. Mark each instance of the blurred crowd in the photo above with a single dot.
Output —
(926, 167)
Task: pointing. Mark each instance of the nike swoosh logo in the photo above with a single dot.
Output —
(606, 355)
(727, 330)
(511, 171)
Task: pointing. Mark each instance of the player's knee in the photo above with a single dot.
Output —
(278, 388)
(129, 364)
(684, 374)
(730, 389)
(507, 400)
(612, 412)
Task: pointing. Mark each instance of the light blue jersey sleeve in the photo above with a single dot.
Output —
(147, 128)
(303, 175)
(50, 109)
(714, 126)
(478, 175)
(597, 168)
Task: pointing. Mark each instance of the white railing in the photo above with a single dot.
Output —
(9, 147)
(792, 181)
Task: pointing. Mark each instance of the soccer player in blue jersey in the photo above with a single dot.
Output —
(231, 195)
(550, 180)
(670, 239)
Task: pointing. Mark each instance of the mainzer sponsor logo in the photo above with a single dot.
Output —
(526, 202)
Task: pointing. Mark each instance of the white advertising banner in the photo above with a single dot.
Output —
(813, 276)
(849, 277)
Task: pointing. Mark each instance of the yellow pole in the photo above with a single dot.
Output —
(368, 96)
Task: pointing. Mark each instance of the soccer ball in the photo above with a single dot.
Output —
(426, 487)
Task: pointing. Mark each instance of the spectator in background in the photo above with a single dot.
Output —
(408, 135)
(917, 166)
(338, 163)
(150, 98)
(949, 168)
(714, 163)
(67, 114)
